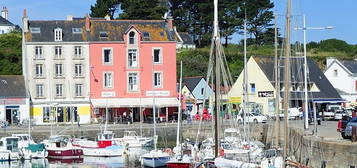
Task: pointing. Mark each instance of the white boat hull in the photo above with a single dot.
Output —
(103, 152)
(155, 161)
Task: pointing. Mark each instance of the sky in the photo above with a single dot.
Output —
(341, 14)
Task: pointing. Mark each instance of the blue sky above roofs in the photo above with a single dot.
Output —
(341, 14)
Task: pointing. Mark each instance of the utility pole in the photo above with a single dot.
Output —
(286, 81)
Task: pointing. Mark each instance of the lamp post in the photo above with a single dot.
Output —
(304, 28)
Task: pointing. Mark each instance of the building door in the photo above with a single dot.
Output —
(60, 114)
(12, 114)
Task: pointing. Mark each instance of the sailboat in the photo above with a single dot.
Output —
(179, 160)
(155, 158)
(104, 146)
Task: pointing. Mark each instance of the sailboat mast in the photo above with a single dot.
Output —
(286, 81)
(179, 110)
(245, 104)
(277, 85)
(217, 76)
(305, 79)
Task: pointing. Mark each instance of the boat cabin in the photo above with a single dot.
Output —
(9, 144)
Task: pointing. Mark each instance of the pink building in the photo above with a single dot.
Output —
(132, 67)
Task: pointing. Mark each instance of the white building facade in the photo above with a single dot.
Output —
(343, 76)
(5, 25)
(56, 70)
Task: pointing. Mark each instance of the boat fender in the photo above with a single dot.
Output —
(221, 152)
(168, 150)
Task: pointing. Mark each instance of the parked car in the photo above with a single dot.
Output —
(339, 114)
(253, 117)
(344, 126)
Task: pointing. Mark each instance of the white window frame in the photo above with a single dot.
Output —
(59, 70)
(59, 90)
(78, 90)
(160, 55)
(78, 51)
(78, 70)
(134, 38)
(58, 34)
(39, 70)
(39, 90)
(110, 56)
(109, 83)
(133, 58)
(38, 52)
(130, 87)
(159, 83)
(58, 52)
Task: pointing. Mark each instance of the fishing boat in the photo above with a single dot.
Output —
(105, 146)
(9, 149)
(60, 147)
(29, 149)
(133, 140)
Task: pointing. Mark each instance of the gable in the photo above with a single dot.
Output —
(187, 93)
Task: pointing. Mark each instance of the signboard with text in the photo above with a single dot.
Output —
(235, 100)
(266, 94)
(157, 93)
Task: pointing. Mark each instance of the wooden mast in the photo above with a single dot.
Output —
(286, 81)
(217, 76)
(277, 86)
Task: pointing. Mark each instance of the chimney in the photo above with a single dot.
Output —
(25, 22)
(87, 23)
(69, 18)
(169, 21)
(4, 13)
(329, 60)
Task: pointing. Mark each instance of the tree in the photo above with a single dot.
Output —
(142, 9)
(334, 45)
(104, 7)
(10, 53)
(259, 17)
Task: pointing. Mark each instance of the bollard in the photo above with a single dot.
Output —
(354, 138)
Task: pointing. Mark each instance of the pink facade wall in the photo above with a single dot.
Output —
(120, 69)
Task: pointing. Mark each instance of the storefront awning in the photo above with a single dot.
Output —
(329, 100)
(135, 102)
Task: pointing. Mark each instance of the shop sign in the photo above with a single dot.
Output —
(266, 94)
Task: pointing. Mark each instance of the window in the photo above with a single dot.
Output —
(46, 114)
(107, 56)
(78, 90)
(157, 55)
(103, 34)
(202, 91)
(78, 51)
(58, 52)
(108, 80)
(58, 34)
(133, 81)
(132, 58)
(252, 87)
(39, 90)
(335, 73)
(39, 70)
(76, 30)
(78, 70)
(38, 52)
(59, 90)
(35, 30)
(59, 70)
(157, 79)
(146, 36)
(132, 37)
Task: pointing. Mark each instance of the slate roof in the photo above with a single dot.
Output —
(4, 22)
(155, 30)
(351, 65)
(316, 76)
(12, 86)
(186, 38)
(191, 82)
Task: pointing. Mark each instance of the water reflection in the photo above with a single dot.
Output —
(128, 161)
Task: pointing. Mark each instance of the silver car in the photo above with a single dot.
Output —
(350, 124)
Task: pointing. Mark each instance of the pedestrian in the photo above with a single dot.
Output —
(78, 120)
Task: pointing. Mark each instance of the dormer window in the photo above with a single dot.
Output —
(132, 37)
(103, 34)
(58, 34)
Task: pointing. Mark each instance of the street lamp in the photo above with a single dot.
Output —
(304, 28)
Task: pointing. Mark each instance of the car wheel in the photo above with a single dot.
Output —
(255, 121)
